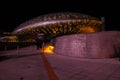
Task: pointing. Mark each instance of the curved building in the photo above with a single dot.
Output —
(58, 24)
(73, 34)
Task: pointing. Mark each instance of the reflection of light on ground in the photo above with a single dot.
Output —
(47, 49)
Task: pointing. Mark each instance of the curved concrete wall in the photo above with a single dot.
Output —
(90, 45)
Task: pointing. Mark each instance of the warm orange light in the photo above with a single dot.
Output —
(47, 49)
(86, 29)
(30, 40)
(12, 37)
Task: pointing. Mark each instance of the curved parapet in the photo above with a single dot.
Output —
(89, 45)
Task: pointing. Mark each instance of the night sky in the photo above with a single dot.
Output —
(12, 14)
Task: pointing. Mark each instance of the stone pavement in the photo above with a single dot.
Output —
(69, 68)
(31, 67)
(23, 68)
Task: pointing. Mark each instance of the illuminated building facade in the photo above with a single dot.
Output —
(59, 24)
(72, 34)
(9, 39)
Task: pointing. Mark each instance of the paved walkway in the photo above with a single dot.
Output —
(23, 68)
(50, 71)
(68, 68)
(31, 67)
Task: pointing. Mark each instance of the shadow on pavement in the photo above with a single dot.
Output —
(2, 58)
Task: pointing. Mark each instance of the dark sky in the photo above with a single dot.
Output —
(12, 14)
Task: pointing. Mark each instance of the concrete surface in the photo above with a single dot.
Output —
(104, 44)
(31, 67)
